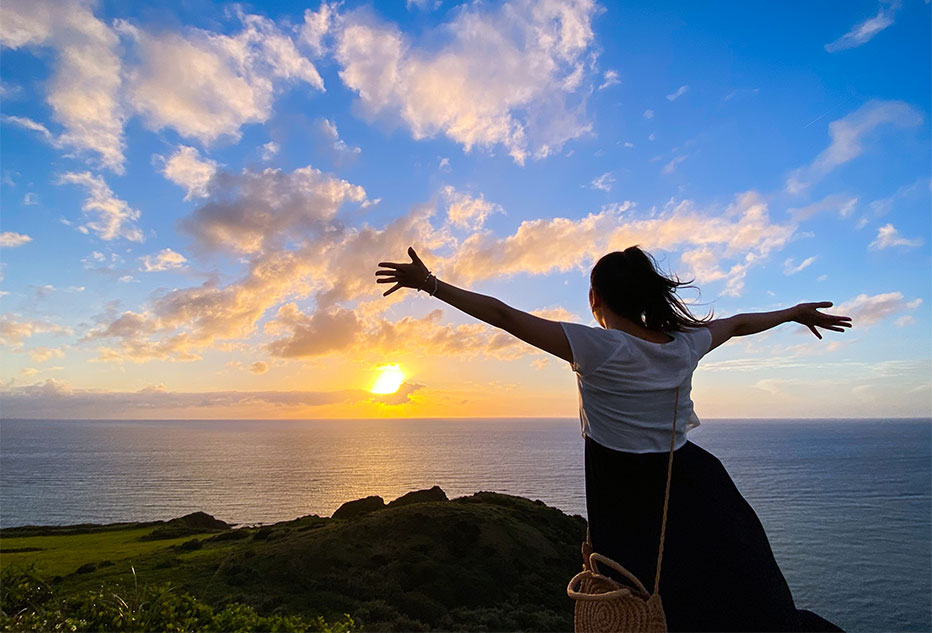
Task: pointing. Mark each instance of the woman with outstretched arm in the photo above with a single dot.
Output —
(718, 570)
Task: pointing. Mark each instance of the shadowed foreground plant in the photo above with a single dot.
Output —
(28, 604)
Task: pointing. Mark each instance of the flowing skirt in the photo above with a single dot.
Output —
(718, 571)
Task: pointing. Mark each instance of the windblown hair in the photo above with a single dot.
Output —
(631, 284)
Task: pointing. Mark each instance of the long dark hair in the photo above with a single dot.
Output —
(631, 284)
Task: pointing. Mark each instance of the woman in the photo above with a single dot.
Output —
(718, 571)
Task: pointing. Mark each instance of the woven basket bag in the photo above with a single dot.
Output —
(602, 603)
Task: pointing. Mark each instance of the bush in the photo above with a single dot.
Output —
(29, 605)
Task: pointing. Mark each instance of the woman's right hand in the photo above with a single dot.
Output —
(808, 314)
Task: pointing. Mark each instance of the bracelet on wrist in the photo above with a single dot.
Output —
(424, 283)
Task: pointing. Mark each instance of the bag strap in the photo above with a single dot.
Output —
(666, 494)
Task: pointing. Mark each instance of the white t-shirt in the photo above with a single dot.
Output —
(627, 386)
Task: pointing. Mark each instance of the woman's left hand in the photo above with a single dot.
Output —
(411, 275)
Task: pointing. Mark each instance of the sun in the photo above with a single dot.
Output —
(389, 379)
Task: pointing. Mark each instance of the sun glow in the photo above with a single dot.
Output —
(389, 379)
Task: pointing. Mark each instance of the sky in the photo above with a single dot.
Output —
(196, 195)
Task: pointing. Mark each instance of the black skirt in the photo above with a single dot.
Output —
(718, 571)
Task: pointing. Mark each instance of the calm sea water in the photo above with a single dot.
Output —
(847, 504)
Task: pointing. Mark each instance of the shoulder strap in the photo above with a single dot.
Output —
(666, 494)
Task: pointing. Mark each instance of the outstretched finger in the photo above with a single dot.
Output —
(391, 290)
(389, 265)
(386, 281)
(815, 331)
(386, 272)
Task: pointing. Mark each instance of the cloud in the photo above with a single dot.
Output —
(42, 354)
(508, 76)
(115, 218)
(610, 78)
(866, 30)
(743, 233)
(466, 211)
(9, 239)
(269, 150)
(841, 203)
(603, 182)
(186, 169)
(338, 145)
(312, 335)
(14, 329)
(35, 126)
(790, 267)
(648, 114)
(259, 210)
(165, 259)
(57, 400)
(84, 91)
(679, 92)
(316, 26)
(30, 199)
(259, 367)
(888, 236)
(205, 85)
(847, 136)
(870, 309)
(670, 167)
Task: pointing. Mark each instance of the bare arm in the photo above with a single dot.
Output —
(541, 333)
(805, 313)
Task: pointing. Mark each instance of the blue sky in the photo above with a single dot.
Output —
(195, 196)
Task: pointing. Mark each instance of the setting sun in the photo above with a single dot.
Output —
(389, 379)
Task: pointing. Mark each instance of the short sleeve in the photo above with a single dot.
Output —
(591, 346)
(700, 340)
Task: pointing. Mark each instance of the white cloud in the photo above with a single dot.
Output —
(206, 85)
(466, 211)
(444, 164)
(316, 27)
(840, 203)
(679, 92)
(670, 167)
(888, 236)
(186, 169)
(502, 76)
(338, 145)
(269, 150)
(648, 114)
(30, 199)
(115, 217)
(35, 126)
(790, 267)
(603, 182)
(9, 239)
(869, 309)
(610, 78)
(165, 259)
(847, 135)
(84, 89)
(14, 329)
(424, 5)
(866, 30)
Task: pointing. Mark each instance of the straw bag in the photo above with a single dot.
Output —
(602, 603)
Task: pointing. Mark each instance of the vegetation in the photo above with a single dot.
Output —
(484, 562)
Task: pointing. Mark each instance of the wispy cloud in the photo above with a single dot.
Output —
(187, 169)
(847, 136)
(165, 259)
(670, 167)
(610, 78)
(679, 92)
(870, 309)
(10, 239)
(790, 267)
(888, 236)
(865, 31)
(115, 217)
(603, 182)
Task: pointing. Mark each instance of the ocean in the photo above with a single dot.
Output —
(847, 504)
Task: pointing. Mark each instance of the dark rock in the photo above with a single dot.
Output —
(359, 507)
(86, 568)
(189, 524)
(420, 496)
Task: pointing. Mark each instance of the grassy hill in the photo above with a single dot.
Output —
(484, 562)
